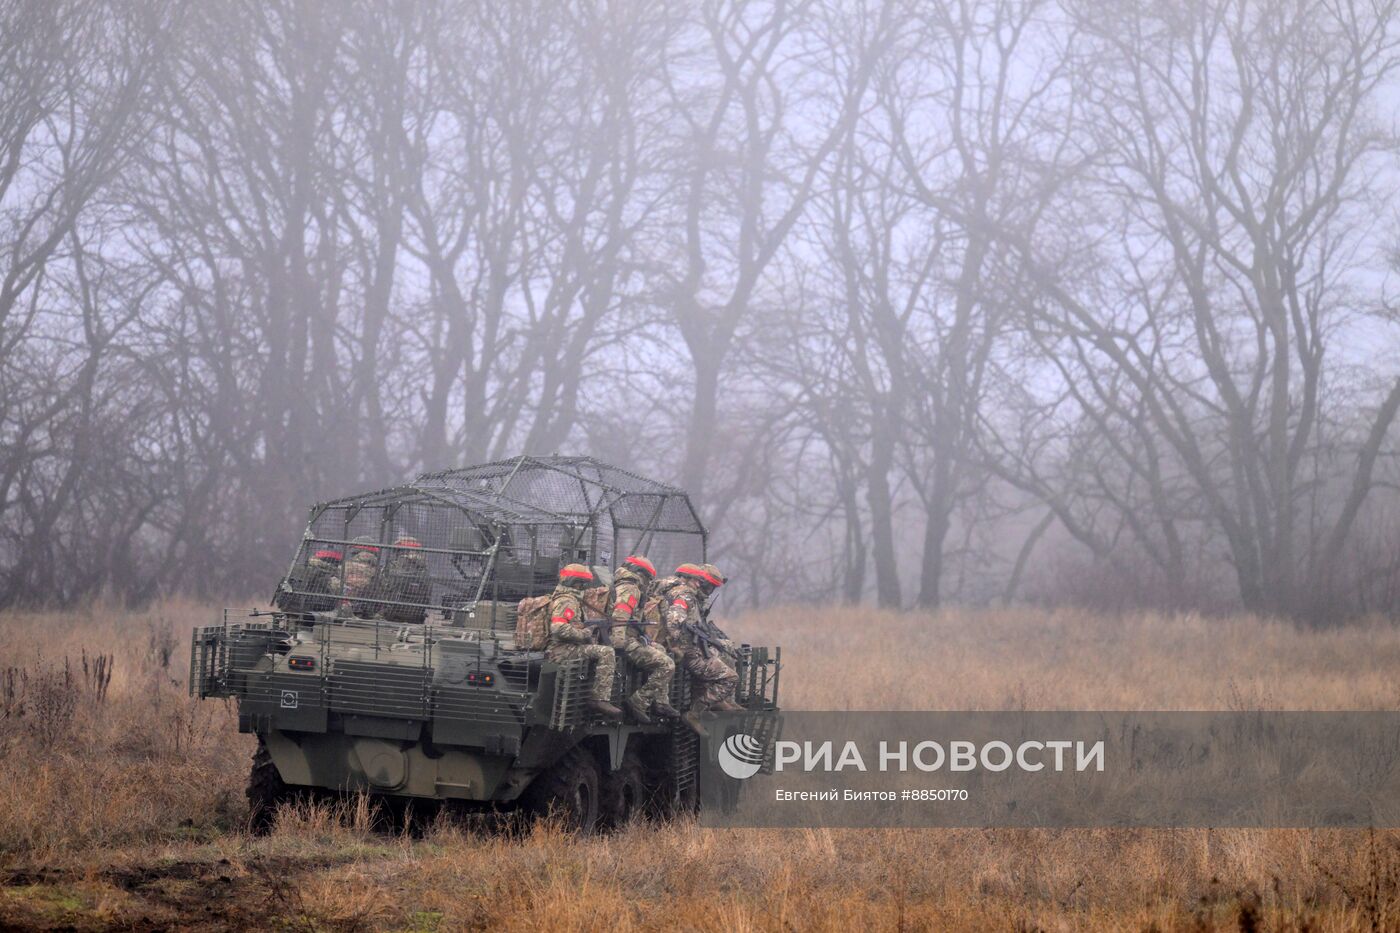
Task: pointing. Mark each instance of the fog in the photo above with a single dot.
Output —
(925, 302)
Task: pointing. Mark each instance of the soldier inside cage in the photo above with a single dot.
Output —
(407, 584)
(363, 583)
(311, 588)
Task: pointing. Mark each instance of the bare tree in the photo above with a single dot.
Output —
(526, 217)
(957, 142)
(899, 290)
(755, 136)
(73, 83)
(1236, 148)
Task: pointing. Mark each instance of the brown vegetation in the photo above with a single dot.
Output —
(123, 803)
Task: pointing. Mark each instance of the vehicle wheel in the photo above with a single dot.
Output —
(569, 791)
(266, 791)
(625, 794)
(687, 803)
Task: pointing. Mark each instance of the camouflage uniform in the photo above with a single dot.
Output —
(570, 641)
(407, 583)
(712, 680)
(361, 576)
(322, 568)
(322, 577)
(634, 638)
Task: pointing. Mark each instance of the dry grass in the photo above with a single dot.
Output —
(123, 798)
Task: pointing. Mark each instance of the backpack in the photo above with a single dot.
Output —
(532, 623)
(651, 611)
(596, 600)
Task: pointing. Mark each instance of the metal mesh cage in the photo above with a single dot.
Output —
(496, 532)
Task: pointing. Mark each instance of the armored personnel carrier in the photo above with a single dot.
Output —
(389, 663)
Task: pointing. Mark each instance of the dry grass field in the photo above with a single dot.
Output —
(122, 798)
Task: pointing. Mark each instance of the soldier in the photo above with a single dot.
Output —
(696, 642)
(324, 564)
(632, 637)
(407, 583)
(361, 577)
(569, 640)
(311, 589)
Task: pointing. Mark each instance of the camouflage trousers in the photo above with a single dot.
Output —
(658, 667)
(602, 672)
(711, 680)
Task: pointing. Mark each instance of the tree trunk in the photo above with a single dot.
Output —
(881, 500)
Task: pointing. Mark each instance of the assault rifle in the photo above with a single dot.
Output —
(708, 641)
(600, 624)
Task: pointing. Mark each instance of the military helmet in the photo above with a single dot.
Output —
(408, 551)
(715, 572)
(641, 565)
(575, 575)
(707, 581)
(363, 544)
(328, 554)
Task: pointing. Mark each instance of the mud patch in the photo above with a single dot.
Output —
(191, 894)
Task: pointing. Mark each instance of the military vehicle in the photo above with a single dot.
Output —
(389, 663)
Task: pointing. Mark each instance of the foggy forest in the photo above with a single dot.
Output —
(925, 302)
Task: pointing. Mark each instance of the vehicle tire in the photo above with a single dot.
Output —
(626, 795)
(266, 791)
(686, 804)
(569, 791)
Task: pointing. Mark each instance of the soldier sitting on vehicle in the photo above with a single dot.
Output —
(698, 644)
(569, 640)
(406, 582)
(636, 640)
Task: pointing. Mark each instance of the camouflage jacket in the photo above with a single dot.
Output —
(629, 597)
(566, 618)
(322, 576)
(407, 585)
(361, 579)
(407, 577)
(682, 615)
(361, 574)
(310, 589)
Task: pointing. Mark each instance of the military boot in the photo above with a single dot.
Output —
(665, 710)
(605, 709)
(692, 719)
(638, 710)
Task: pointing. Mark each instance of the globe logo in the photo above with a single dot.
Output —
(741, 756)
